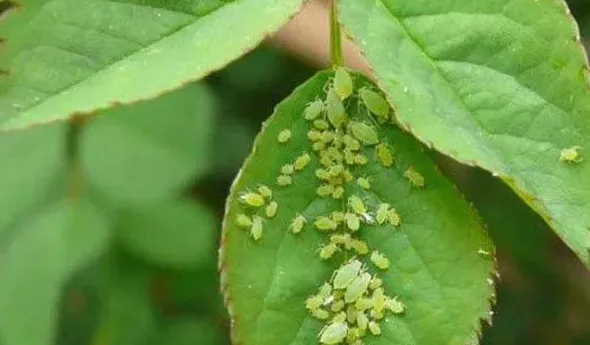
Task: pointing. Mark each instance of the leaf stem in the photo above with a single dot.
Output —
(335, 36)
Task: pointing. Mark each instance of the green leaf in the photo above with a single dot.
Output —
(65, 57)
(435, 266)
(172, 233)
(148, 151)
(499, 84)
(187, 331)
(37, 262)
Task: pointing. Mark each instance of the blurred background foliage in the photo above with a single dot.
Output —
(150, 182)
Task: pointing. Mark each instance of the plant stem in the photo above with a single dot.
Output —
(335, 37)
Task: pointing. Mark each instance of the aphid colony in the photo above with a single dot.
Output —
(353, 302)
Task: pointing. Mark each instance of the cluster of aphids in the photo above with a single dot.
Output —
(353, 302)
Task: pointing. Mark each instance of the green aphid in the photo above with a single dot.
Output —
(313, 110)
(323, 174)
(349, 157)
(325, 223)
(367, 134)
(340, 239)
(361, 159)
(351, 143)
(363, 182)
(302, 161)
(354, 334)
(325, 291)
(337, 142)
(343, 83)
(375, 283)
(314, 135)
(321, 124)
(288, 169)
(340, 317)
(359, 246)
(357, 288)
(415, 178)
(336, 170)
(334, 333)
(284, 180)
(374, 328)
(314, 302)
(252, 199)
(338, 216)
(570, 155)
(298, 223)
(352, 221)
(393, 217)
(243, 221)
(394, 305)
(363, 304)
(327, 136)
(380, 260)
(338, 192)
(325, 190)
(347, 175)
(318, 146)
(374, 102)
(382, 213)
(384, 155)
(327, 251)
(335, 109)
(284, 136)
(320, 314)
(357, 205)
(337, 306)
(346, 274)
(265, 192)
(256, 229)
(362, 320)
(271, 209)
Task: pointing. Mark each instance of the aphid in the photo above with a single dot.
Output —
(321, 124)
(256, 230)
(360, 159)
(318, 146)
(374, 328)
(328, 251)
(357, 287)
(379, 300)
(320, 314)
(352, 221)
(271, 209)
(363, 182)
(325, 291)
(375, 283)
(313, 110)
(354, 333)
(362, 320)
(314, 135)
(265, 192)
(342, 83)
(327, 136)
(337, 306)
(482, 252)
(340, 317)
(363, 303)
(356, 204)
(393, 217)
(337, 141)
(346, 274)
(340, 239)
(284, 180)
(364, 132)
(322, 174)
(347, 176)
(349, 157)
(336, 170)
(415, 178)
(374, 102)
(324, 190)
(325, 223)
(394, 305)
(252, 199)
(338, 217)
(287, 169)
(380, 260)
(243, 221)
(376, 314)
(335, 109)
(351, 314)
(284, 136)
(313, 302)
(570, 155)
(298, 223)
(334, 333)
(382, 213)
(338, 192)
(302, 161)
(351, 143)
(359, 246)
(384, 155)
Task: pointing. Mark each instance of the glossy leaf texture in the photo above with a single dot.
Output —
(499, 84)
(66, 57)
(437, 268)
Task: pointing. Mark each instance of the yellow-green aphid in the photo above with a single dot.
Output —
(318, 146)
(284, 136)
(271, 209)
(415, 178)
(338, 217)
(337, 306)
(321, 124)
(375, 283)
(243, 221)
(352, 221)
(379, 300)
(265, 192)
(313, 110)
(351, 143)
(313, 302)
(302, 161)
(364, 132)
(382, 213)
(351, 314)
(338, 192)
(363, 304)
(287, 169)
(284, 180)
(570, 155)
(325, 291)
(380, 260)
(394, 305)
(336, 170)
(340, 317)
(374, 328)
(360, 159)
(346, 274)
(256, 229)
(327, 251)
(324, 190)
(320, 314)
(323, 174)
(327, 136)
(335, 109)
(363, 182)
(325, 223)
(354, 333)
(357, 204)
(340, 239)
(252, 199)
(349, 157)
(347, 176)
(393, 217)
(384, 155)
(342, 83)
(314, 135)
(374, 102)
(375, 314)
(357, 288)
(359, 246)
(334, 333)
(298, 223)
(362, 320)
(337, 141)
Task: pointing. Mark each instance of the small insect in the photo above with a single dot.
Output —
(357, 288)
(382, 213)
(363, 304)
(313, 302)
(380, 260)
(325, 223)
(284, 136)
(394, 305)
(357, 204)
(375, 283)
(318, 146)
(351, 143)
(298, 223)
(313, 110)
(335, 109)
(347, 176)
(482, 252)
(302, 161)
(287, 169)
(349, 157)
(346, 274)
(338, 217)
(363, 182)
(320, 314)
(342, 83)
(362, 320)
(256, 230)
(415, 178)
(359, 246)
(351, 314)
(378, 299)
(314, 135)
(384, 155)
(354, 334)
(327, 136)
(336, 170)
(324, 190)
(327, 251)
(325, 291)
(570, 155)
(334, 333)
(352, 221)
(252, 199)
(340, 239)
(271, 209)
(376, 314)
(321, 124)
(374, 328)
(374, 102)
(364, 132)
(323, 174)
(340, 317)
(284, 180)
(393, 217)
(265, 192)
(337, 306)
(360, 159)
(243, 221)
(338, 192)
